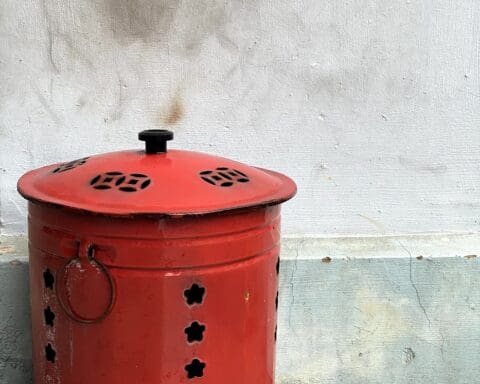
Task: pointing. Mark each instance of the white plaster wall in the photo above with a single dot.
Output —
(372, 106)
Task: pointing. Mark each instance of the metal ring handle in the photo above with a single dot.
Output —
(66, 306)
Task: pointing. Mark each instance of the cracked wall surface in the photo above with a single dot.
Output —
(372, 321)
(15, 336)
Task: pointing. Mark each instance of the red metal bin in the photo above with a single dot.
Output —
(154, 266)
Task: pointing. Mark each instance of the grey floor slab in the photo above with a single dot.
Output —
(380, 321)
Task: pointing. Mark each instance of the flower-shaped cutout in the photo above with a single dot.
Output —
(195, 332)
(50, 353)
(194, 294)
(49, 316)
(195, 369)
(48, 279)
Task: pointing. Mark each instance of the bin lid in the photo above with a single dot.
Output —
(155, 181)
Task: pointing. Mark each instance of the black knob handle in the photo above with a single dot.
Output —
(155, 140)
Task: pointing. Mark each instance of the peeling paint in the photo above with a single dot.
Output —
(6, 249)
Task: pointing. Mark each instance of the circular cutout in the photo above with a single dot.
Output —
(132, 182)
(70, 165)
(224, 177)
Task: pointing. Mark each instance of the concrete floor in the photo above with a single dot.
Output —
(342, 320)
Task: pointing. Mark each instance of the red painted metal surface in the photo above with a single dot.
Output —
(170, 297)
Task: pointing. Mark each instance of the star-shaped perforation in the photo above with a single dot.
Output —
(49, 316)
(48, 279)
(50, 353)
(195, 369)
(195, 294)
(195, 332)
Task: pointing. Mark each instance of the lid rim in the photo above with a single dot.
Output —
(154, 214)
(179, 183)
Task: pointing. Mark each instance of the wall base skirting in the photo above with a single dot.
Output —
(389, 309)
(435, 245)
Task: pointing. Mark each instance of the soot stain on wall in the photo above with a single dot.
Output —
(174, 112)
(183, 24)
(140, 19)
